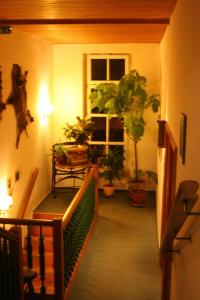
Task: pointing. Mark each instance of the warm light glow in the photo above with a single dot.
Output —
(45, 108)
(5, 199)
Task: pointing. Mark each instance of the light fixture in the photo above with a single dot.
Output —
(45, 108)
(5, 199)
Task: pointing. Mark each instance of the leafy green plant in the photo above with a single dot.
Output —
(129, 100)
(103, 97)
(112, 164)
(79, 132)
(59, 153)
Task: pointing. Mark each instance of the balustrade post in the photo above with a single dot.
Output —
(58, 259)
(29, 249)
(42, 262)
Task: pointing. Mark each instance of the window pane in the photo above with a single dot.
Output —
(98, 69)
(117, 68)
(100, 129)
(116, 130)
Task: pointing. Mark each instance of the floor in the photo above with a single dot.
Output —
(57, 204)
(121, 261)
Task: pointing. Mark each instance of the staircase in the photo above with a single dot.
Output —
(48, 249)
(52, 244)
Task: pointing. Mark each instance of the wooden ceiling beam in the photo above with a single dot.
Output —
(84, 21)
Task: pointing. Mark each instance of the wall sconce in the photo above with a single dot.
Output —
(5, 200)
(45, 108)
(45, 112)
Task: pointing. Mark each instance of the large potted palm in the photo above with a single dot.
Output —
(129, 100)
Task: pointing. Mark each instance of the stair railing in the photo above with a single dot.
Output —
(29, 224)
(77, 224)
(10, 264)
(70, 235)
(182, 208)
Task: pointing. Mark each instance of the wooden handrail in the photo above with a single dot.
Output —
(186, 193)
(27, 194)
(78, 196)
(169, 181)
(8, 234)
(59, 227)
(185, 229)
(170, 137)
(11, 264)
(58, 259)
(185, 200)
(32, 222)
(77, 224)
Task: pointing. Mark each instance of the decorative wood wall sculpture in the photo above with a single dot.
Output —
(18, 98)
(2, 105)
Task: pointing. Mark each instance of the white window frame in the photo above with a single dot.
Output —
(92, 83)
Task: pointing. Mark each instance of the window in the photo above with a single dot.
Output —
(105, 68)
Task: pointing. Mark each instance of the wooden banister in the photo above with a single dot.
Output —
(27, 194)
(58, 258)
(185, 197)
(32, 222)
(76, 223)
(78, 196)
(8, 234)
(186, 228)
(169, 182)
(11, 264)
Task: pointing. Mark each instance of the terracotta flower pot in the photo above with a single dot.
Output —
(108, 190)
(137, 197)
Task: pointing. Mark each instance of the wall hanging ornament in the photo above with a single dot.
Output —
(18, 98)
(2, 105)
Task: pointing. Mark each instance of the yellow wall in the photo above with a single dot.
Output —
(62, 65)
(69, 90)
(35, 56)
(180, 74)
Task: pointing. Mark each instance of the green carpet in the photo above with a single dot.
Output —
(64, 196)
(121, 260)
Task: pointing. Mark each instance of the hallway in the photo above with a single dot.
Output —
(121, 261)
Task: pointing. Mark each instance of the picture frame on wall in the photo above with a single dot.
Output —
(183, 125)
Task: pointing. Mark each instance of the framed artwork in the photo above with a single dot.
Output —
(183, 125)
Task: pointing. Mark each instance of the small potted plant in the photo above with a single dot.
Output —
(146, 181)
(60, 154)
(111, 166)
(79, 132)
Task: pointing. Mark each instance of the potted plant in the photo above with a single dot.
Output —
(146, 181)
(111, 166)
(128, 99)
(80, 131)
(60, 153)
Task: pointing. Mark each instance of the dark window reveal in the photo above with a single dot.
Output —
(98, 69)
(117, 68)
